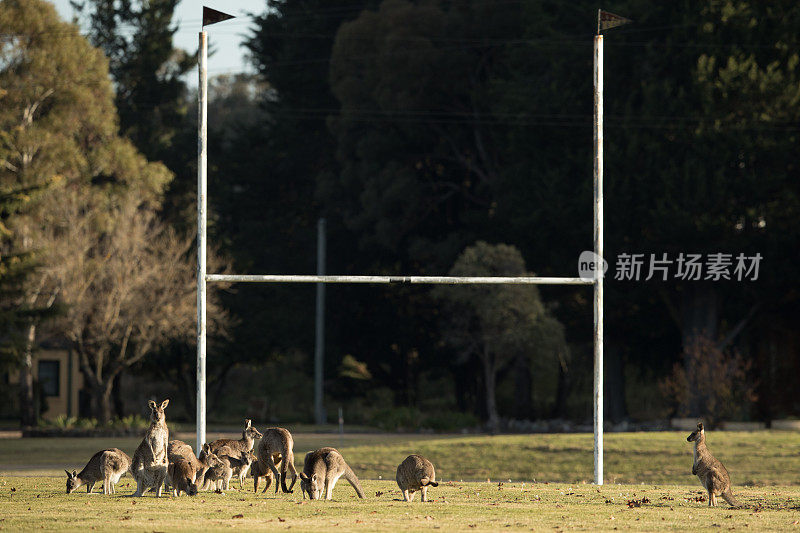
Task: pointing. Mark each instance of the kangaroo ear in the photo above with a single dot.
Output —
(303, 476)
(700, 426)
(74, 473)
(68, 474)
(165, 403)
(247, 423)
(314, 478)
(151, 404)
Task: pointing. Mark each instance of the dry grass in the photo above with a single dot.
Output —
(649, 486)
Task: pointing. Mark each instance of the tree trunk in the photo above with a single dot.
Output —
(102, 400)
(616, 408)
(522, 387)
(28, 415)
(699, 319)
(490, 378)
(119, 403)
(562, 392)
(699, 313)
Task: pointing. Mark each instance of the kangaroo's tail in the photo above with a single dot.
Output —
(351, 478)
(728, 495)
(426, 481)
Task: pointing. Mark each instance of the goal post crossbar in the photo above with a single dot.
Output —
(432, 280)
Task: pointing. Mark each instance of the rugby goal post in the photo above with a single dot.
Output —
(203, 277)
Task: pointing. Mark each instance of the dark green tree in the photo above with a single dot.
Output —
(698, 137)
(152, 99)
(498, 325)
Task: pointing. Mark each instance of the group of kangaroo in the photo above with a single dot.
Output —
(158, 461)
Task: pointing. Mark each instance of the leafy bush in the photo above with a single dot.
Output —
(397, 419)
(71, 422)
(449, 421)
(715, 386)
(412, 419)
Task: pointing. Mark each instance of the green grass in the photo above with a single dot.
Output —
(764, 467)
(34, 502)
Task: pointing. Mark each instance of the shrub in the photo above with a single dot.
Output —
(449, 421)
(715, 385)
(397, 419)
(71, 422)
(412, 419)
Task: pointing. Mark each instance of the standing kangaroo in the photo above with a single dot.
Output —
(321, 471)
(415, 473)
(106, 465)
(277, 446)
(713, 475)
(150, 459)
(245, 444)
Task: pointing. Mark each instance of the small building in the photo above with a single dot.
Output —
(56, 370)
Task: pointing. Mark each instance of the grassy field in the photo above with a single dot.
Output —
(648, 486)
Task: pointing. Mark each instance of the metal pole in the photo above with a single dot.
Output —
(442, 280)
(598, 250)
(202, 160)
(319, 351)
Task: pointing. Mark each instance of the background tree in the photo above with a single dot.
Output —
(58, 125)
(16, 348)
(458, 121)
(127, 282)
(497, 324)
(149, 73)
(122, 275)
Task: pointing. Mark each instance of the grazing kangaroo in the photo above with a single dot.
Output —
(106, 465)
(713, 475)
(415, 473)
(259, 470)
(245, 444)
(180, 451)
(277, 446)
(181, 476)
(150, 460)
(322, 469)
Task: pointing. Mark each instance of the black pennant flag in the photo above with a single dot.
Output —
(212, 16)
(606, 20)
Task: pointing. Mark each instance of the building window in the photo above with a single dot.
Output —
(48, 377)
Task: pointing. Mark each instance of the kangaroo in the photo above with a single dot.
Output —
(181, 476)
(107, 465)
(245, 444)
(150, 461)
(321, 470)
(415, 473)
(234, 462)
(242, 472)
(259, 470)
(713, 475)
(180, 451)
(277, 446)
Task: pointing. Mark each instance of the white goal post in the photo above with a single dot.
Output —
(597, 281)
